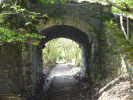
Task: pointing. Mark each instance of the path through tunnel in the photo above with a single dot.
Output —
(61, 50)
(72, 33)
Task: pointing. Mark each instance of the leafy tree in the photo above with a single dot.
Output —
(119, 6)
(64, 48)
(124, 5)
(126, 46)
(51, 52)
(123, 45)
(10, 8)
(7, 34)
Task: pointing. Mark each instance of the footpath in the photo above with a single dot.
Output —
(63, 83)
(66, 85)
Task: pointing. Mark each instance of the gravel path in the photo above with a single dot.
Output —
(63, 83)
(65, 86)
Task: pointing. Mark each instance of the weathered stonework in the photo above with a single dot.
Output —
(74, 21)
(82, 23)
(10, 68)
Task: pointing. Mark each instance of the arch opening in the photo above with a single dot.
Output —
(69, 32)
(61, 50)
(72, 33)
(64, 31)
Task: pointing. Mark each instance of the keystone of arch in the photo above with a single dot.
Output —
(75, 22)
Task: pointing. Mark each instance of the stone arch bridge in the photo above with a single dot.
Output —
(82, 23)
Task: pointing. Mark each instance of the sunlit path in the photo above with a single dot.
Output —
(63, 80)
(62, 76)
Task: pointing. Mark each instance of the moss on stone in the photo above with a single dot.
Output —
(124, 45)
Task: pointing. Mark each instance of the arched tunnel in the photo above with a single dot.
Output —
(70, 32)
(65, 31)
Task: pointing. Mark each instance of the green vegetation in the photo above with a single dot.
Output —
(119, 6)
(124, 46)
(68, 52)
(62, 48)
(8, 15)
(50, 1)
(8, 24)
(116, 10)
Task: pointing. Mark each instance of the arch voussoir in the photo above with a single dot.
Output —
(75, 22)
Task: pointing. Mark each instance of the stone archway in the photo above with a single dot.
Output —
(72, 33)
(73, 29)
(69, 21)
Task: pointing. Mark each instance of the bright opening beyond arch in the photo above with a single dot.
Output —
(61, 50)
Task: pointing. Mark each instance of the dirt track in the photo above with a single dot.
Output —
(65, 86)
(108, 89)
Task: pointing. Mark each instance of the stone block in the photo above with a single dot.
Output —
(29, 88)
(114, 73)
(28, 64)
(2, 82)
(123, 69)
(130, 69)
(106, 9)
(9, 81)
(25, 55)
(119, 70)
(6, 73)
(131, 75)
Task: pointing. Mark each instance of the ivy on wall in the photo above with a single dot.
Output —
(124, 46)
(24, 30)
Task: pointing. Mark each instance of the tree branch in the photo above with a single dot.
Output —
(128, 9)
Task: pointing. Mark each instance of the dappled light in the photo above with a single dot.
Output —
(73, 71)
(61, 50)
(118, 88)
